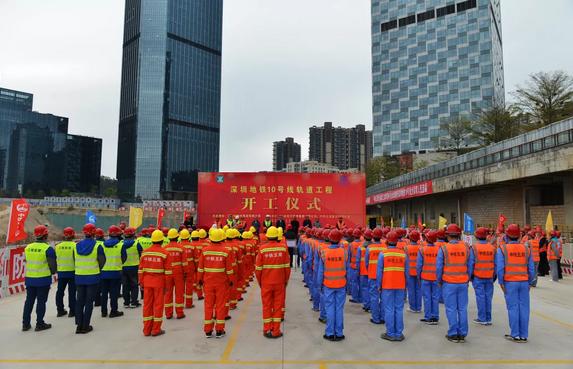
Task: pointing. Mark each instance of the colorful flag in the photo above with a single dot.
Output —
(442, 222)
(403, 223)
(19, 210)
(549, 223)
(391, 222)
(90, 217)
(469, 225)
(135, 217)
(160, 215)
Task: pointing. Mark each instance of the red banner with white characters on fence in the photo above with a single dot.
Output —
(292, 195)
(406, 192)
(19, 210)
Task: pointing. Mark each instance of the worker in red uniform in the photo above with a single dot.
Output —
(272, 269)
(248, 258)
(413, 283)
(203, 242)
(232, 243)
(175, 283)
(483, 276)
(213, 276)
(154, 267)
(190, 270)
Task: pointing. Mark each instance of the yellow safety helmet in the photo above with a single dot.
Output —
(202, 233)
(280, 231)
(184, 234)
(272, 232)
(172, 234)
(216, 235)
(247, 235)
(195, 235)
(157, 236)
(252, 229)
(230, 233)
(225, 228)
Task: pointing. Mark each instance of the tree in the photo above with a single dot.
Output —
(108, 186)
(458, 130)
(381, 168)
(545, 97)
(494, 125)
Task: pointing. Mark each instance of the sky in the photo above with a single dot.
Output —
(287, 65)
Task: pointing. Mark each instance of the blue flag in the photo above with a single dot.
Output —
(469, 226)
(90, 217)
(403, 225)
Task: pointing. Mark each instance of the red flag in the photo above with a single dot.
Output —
(160, 214)
(18, 213)
(185, 215)
(501, 221)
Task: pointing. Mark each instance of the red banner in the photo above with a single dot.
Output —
(18, 213)
(160, 215)
(406, 192)
(16, 267)
(292, 195)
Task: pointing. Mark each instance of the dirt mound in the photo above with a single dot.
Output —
(35, 218)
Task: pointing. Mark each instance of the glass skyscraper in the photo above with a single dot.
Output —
(432, 61)
(170, 97)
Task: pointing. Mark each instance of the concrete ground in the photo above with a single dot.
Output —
(119, 343)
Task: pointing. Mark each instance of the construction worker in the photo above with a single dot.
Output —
(426, 270)
(89, 259)
(332, 278)
(533, 244)
(249, 257)
(554, 251)
(130, 252)
(483, 276)
(175, 282)
(190, 270)
(353, 274)
(371, 261)
(272, 270)
(320, 292)
(111, 272)
(65, 260)
(145, 239)
(203, 242)
(40, 266)
(391, 280)
(363, 271)
(214, 271)
(154, 266)
(413, 283)
(99, 236)
(515, 271)
(454, 266)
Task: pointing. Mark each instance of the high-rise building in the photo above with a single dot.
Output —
(344, 148)
(170, 97)
(311, 166)
(37, 155)
(432, 61)
(284, 152)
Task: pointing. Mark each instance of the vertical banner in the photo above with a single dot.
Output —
(135, 217)
(160, 215)
(442, 222)
(549, 223)
(185, 215)
(420, 224)
(469, 226)
(90, 217)
(19, 211)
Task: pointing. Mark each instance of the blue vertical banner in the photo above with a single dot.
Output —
(469, 226)
(90, 217)
(403, 224)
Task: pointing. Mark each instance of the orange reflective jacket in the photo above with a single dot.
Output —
(429, 256)
(412, 251)
(534, 245)
(353, 252)
(516, 256)
(393, 277)
(484, 260)
(374, 250)
(363, 269)
(178, 261)
(456, 256)
(334, 268)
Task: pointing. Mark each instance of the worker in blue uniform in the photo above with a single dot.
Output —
(362, 270)
(426, 271)
(371, 261)
(483, 276)
(516, 275)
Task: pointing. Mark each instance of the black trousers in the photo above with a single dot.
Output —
(130, 286)
(85, 297)
(33, 294)
(109, 287)
(71, 284)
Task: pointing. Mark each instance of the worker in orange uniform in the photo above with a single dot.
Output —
(232, 243)
(332, 278)
(154, 267)
(363, 270)
(484, 276)
(214, 272)
(175, 283)
(353, 277)
(190, 270)
(413, 283)
(533, 245)
(272, 269)
(371, 261)
(514, 266)
(426, 270)
(391, 279)
(249, 257)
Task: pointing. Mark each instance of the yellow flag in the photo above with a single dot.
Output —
(391, 222)
(135, 217)
(549, 223)
(442, 223)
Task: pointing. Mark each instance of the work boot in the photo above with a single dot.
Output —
(26, 327)
(220, 334)
(399, 338)
(181, 316)
(228, 317)
(279, 335)
(354, 301)
(71, 314)
(115, 314)
(88, 329)
(433, 321)
(268, 334)
(374, 322)
(329, 338)
(200, 298)
(454, 339)
(461, 339)
(424, 320)
(104, 315)
(209, 334)
(161, 332)
(386, 337)
(339, 338)
(62, 313)
(135, 305)
(42, 327)
(79, 330)
(322, 320)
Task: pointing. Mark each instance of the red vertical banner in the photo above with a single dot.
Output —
(160, 215)
(420, 224)
(19, 211)
(185, 215)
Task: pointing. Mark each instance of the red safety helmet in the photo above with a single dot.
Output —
(392, 237)
(526, 228)
(165, 230)
(441, 234)
(348, 233)
(414, 236)
(357, 233)
(69, 232)
(481, 233)
(377, 233)
(324, 234)
(368, 234)
(122, 225)
(432, 236)
(453, 230)
(129, 232)
(40, 231)
(335, 236)
(114, 231)
(89, 229)
(531, 234)
(513, 231)
(99, 233)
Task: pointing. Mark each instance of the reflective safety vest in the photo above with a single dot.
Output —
(484, 260)
(112, 257)
(412, 251)
(374, 251)
(553, 250)
(429, 256)
(132, 256)
(363, 269)
(401, 244)
(36, 261)
(456, 256)
(145, 242)
(516, 256)
(534, 246)
(393, 277)
(353, 252)
(65, 256)
(87, 264)
(334, 268)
